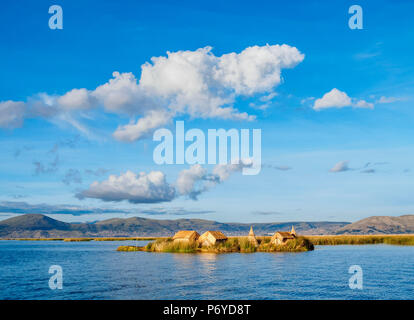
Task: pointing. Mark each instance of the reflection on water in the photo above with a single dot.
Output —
(95, 270)
(208, 262)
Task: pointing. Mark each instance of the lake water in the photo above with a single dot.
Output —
(95, 270)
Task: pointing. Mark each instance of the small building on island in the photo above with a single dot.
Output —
(252, 237)
(281, 237)
(210, 238)
(186, 236)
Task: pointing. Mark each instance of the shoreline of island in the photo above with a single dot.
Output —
(244, 244)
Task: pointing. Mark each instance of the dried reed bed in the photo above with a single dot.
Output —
(402, 240)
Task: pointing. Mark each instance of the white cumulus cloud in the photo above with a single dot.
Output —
(339, 99)
(122, 94)
(333, 99)
(188, 181)
(135, 188)
(77, 99)
(153, 187)
(364, 104)
(196, 180)
(204, 85)
(223, 171)
(134, 131)
(195, 83)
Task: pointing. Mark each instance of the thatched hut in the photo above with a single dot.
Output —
(252, 237)
(281, 237)
(210, 238)
(186, 236)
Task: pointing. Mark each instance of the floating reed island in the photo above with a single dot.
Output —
(189, 241)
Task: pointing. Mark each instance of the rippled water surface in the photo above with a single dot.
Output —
(95, 270)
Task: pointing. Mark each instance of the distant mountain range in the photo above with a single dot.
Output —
(380, 225)
(41, 226)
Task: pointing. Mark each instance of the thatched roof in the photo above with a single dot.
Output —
(252, 238)
(285, 235)
(251, 233)
(216, 234)
(185, 234)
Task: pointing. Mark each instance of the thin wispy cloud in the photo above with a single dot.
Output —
(384, 100)
(369, 171)
(14, 207)
(267, 213)
(18, 196)
(366, 55)
(66, 143)
(277, 167)
(97, 172)
(26, 208)
(343, 166)
(72, 176)
(175, 211)
(46, 168)
(18, 152)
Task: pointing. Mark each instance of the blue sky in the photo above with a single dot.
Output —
(49, 155)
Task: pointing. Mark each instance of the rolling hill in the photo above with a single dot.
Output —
(380, 225)
(40, 226)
